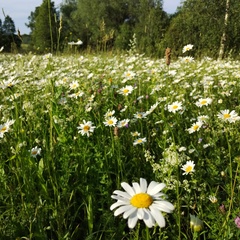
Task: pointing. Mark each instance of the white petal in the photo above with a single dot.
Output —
(128, 188)
(151, 185)
(140, 213)
(122, 199)
(122, 209)
(123, 194)
(163, 206)
(118, 204)
(132, 221)
(157, 216)
(148, 219)
(158, 195)
(154, 188)
(143, 185)
(136, 187)
(129, 212)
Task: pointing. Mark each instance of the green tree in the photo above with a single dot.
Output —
(102, 24)
(150, 26)
(204, 24)
(8, 26)
(74, 26)
(32, 19)
(1, 30)
(8, 38)
(232, 46)
(44, 23)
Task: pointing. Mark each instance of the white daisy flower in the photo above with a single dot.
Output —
(73, 85)
(123, 123)
(9, 122)
(174, 107)
(204, 102)
(124, 109)
(35, 151)
(5, 127)
(76, 95)
(195, 223)
(188, 167)
(228, 116)
(109, 113)
(203, 118)
(91, 98)
(128, 75)
(172, 72)
(140, 115)
(139, 141)
(152, 108)
(213, 198)
(142, 202)
(111, 122)
(187, 59)
(186, 48)
(126, 90)
(8, 83)
(195, 127)
(86, 128)
(135, 134)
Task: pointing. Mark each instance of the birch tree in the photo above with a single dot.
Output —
(223, 37)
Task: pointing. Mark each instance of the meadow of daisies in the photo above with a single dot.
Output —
(119, 147)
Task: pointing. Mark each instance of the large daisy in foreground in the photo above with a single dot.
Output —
(143, 202)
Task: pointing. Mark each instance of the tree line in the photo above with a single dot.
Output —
(103, 25)
(8, 37)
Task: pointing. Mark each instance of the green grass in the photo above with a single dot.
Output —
(65, 191)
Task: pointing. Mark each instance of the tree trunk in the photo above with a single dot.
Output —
(223, 38)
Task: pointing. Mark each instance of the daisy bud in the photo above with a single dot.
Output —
(195, 223)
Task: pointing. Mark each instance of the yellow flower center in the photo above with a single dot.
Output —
(34, 152)
(175, 107)
(189, 169)
(86, 128)
(195, 128)
(3, 129)
(110, 122)
(141, 200)
(226, 115)
(197, 228)
(125, 91)
(203, 102)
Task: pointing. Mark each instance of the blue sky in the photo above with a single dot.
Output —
(19, 10)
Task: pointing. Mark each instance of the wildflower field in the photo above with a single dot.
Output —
(119, 147)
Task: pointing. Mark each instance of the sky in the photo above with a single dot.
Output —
(19, 10)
